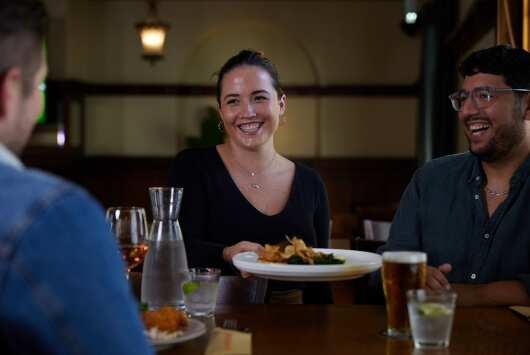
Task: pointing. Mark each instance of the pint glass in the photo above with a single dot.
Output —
(401, 271)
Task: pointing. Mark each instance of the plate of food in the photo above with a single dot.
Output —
(166, 326)
(294, 261)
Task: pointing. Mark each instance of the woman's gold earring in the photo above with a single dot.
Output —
(282, 116)
(219, 127)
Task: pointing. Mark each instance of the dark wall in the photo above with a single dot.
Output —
(124, 181)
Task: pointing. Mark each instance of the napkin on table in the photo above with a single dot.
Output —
(226, 341)
(525, 311)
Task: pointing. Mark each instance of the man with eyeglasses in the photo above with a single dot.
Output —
(470, 212)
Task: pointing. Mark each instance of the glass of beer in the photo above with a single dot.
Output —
(401, 271)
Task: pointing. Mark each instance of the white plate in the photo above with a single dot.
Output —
(195, 329)
(358, 263)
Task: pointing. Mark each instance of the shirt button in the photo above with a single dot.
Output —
(477, 178)
(473, 276)
(476, 197)
(487, 235)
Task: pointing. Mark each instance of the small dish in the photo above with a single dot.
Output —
(194, 330)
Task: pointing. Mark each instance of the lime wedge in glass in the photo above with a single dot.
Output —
(431, 309)
(188, 287)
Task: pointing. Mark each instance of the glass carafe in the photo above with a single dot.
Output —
(166, 254)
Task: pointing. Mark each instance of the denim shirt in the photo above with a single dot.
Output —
(442, 212)
(62, 286)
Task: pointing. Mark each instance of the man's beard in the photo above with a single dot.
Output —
(507, 136)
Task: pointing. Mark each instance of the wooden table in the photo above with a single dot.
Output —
(354, 329)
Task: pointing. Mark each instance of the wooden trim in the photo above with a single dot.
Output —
(124, 180)
(510, 23)
(526, 25)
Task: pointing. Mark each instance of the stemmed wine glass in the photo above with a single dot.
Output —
(129, 226)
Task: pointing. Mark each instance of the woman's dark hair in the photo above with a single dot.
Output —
(513, 64)
(249, 57)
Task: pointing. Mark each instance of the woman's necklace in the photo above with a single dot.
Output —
(494, 193)
(255, 184)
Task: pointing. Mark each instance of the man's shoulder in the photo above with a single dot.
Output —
(33, 180)
(31, 187)
(454, 161)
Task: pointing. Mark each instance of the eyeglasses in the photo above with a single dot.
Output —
(481, 97)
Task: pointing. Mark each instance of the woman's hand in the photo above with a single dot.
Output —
(241, 247)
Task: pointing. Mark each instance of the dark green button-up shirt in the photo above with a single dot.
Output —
(442, 212)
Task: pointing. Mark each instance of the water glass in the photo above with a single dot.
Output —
(199, 287)
(431, 318)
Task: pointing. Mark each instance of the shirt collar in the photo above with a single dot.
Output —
(522, 172)
(476, 170)
(10, 159)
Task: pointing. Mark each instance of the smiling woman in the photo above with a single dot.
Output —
(294, 60)
(243, 194)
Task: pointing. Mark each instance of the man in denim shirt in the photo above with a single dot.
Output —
(62, 289)
(470, 212)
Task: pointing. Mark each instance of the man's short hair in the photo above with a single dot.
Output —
(513, 64)
(22, 30)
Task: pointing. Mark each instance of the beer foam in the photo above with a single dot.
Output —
(405, 257)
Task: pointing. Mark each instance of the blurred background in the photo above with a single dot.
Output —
(366, 88)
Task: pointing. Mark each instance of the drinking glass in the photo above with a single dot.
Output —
(401, 271)
(200, 287)
(129, 226)
(431, 318)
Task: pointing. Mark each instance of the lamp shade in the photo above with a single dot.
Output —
(153, 38)
(153, 35)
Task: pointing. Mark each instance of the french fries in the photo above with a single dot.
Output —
(296, 252)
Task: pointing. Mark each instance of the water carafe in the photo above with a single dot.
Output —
(166, 254)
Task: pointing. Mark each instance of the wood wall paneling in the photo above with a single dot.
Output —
(115, 181)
